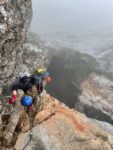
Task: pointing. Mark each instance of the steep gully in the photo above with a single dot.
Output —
(61, 86)
(63, 89)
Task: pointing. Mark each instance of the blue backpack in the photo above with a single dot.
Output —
(26, 100)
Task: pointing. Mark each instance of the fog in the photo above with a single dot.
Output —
(71, 15)
(82, 25)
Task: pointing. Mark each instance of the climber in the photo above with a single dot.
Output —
(26, 82)
(39, 79)
(23, 83)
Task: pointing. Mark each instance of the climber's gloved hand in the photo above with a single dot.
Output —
(12, 99)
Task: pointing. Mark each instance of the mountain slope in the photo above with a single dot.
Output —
(54, 126)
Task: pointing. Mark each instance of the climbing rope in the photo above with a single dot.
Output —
(30, 134)
(30, 121)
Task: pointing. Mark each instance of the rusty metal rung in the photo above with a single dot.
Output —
(5, 104)
(5, 96)
(3, 125)
(6, 113)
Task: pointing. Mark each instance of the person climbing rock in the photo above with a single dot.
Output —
(30, 83)
(23, 83)
(40, 78)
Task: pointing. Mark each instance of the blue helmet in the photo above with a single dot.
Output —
(45, 75)
(26, 100)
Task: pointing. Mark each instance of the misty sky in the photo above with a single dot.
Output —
(71, 15)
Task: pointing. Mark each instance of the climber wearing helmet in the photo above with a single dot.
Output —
(29, 83)
(39, 79)
(23, 83)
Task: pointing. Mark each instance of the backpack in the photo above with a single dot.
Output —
(34, 79)
(24, 79)
(26, 83)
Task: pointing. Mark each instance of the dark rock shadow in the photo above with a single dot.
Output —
(61, 86)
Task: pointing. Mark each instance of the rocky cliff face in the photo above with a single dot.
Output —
(50, 125)
(106, 61)
(96, 99)
(34, 55)
(15, 17)
(53, 126)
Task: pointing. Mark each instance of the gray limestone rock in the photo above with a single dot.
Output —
(96, 98)
(15, 18)
(35, 54)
